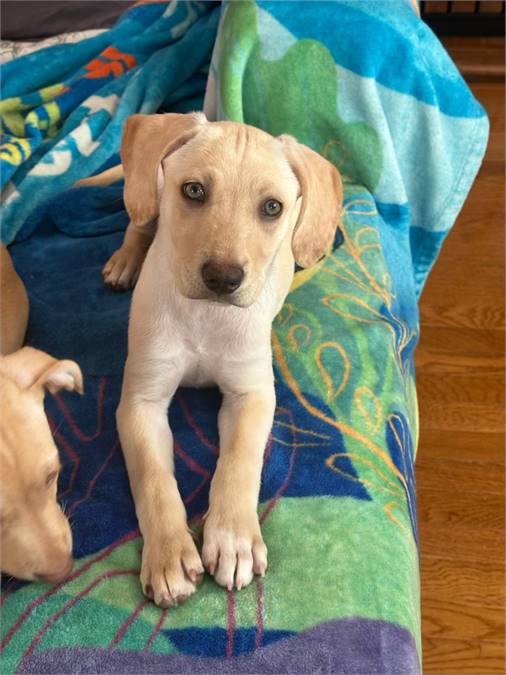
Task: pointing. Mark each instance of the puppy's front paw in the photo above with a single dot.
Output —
(233, 549)
(123, 268)
(171, 568)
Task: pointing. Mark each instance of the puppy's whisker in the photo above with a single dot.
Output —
(64, 508)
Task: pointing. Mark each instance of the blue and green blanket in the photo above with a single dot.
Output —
(370, 87)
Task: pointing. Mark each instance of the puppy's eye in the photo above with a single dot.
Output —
(194, 191)
(272, 208)
(51, 477)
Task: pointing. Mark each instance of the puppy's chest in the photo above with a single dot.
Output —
(199, 370)
(205, 364)
(211, 353)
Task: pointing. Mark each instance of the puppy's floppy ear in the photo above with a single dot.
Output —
(146, 140)
(322, 197)
(30, 367)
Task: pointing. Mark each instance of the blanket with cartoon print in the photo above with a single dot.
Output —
(370, 87)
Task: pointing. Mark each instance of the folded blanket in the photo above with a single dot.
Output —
(367, 85)
(64, 107)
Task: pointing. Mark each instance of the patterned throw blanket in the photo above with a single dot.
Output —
(64, 107)
(369, 86)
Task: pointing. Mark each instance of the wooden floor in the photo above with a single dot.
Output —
(460, 465)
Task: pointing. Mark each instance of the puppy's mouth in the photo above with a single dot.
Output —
(232, 299)
(54, 576)
(243, 297)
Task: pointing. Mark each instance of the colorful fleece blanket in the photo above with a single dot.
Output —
(64, 107)
(369, 86)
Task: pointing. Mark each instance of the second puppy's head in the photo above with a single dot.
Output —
(35, 536)
(228, 196)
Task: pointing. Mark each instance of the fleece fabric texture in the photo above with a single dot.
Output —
(63, 107)
(369, 86)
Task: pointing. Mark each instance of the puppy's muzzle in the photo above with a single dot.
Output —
(222, 278)
(57, 572)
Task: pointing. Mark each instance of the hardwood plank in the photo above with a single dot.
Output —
(481, 586)
(466, 290)
(460, 374)
(429, 360)
(459, 507)
(453, 619)
(452, 343)
(448, 657)
(482, 202)
(462, 344)
(461, 543)
(471, 244)
(476, 57)
(476, 309)
(462, 416)
(461, 387)
(491, 95)
(468, 446)
(494, 164)
(467, 477)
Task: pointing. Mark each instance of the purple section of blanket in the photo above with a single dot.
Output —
(346, 646)
(35, 20)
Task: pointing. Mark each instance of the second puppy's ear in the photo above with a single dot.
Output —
(30, 367)
(146, 141)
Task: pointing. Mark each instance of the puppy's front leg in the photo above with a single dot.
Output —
(233, 546)
(171, 566)
(122, 269)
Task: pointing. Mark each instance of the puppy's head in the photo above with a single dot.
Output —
(227, 196)
(35, 536)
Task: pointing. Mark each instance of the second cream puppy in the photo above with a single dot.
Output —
(235, 207)
(35, 535)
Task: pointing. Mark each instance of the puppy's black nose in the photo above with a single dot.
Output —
(222, 278)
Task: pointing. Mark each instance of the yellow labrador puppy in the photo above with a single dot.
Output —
(35, 536)
(235, 207)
